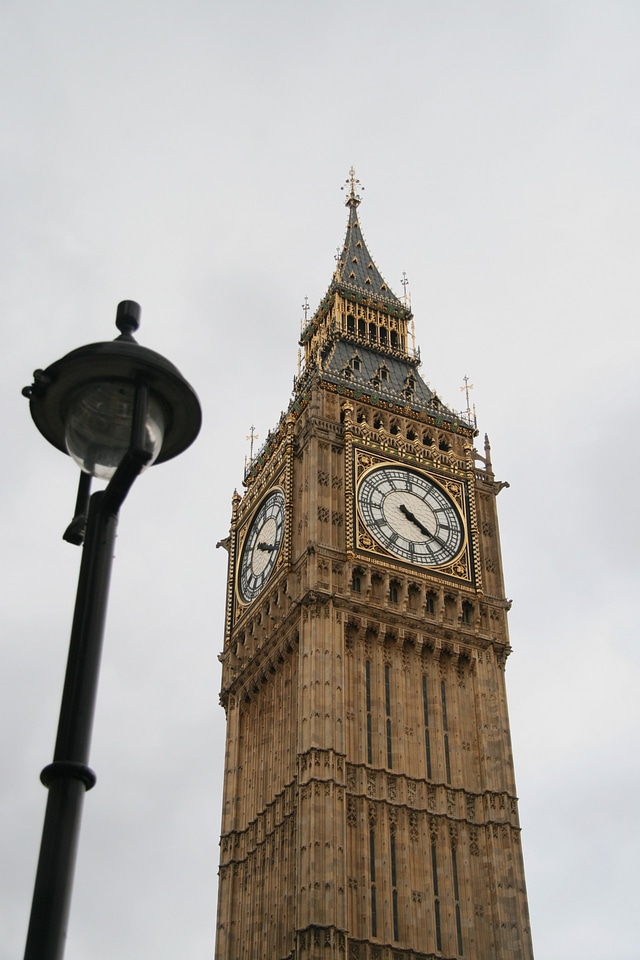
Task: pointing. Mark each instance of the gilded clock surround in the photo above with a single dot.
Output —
(454, 468)
(276, 473)
(363, 542)
(269, 516)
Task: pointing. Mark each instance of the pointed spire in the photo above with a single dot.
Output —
(355, 268)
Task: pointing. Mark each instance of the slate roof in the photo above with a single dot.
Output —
(402, 385)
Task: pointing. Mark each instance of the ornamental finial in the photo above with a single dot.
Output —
(252, 436)
(353, 183)
(469, 413)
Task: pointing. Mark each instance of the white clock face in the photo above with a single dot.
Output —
(410, 516)
(262, 546)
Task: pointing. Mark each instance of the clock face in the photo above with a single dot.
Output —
(410, 516)
(262, 546)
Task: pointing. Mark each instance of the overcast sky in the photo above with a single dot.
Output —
(189, 156)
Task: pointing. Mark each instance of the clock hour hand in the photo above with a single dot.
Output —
(412, 517)
(267, 546)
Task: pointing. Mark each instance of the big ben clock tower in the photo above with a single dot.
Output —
(369, 808)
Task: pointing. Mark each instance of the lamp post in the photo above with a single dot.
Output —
(115, 407)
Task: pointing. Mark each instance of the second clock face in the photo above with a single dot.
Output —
(262, 546)
(410, 516)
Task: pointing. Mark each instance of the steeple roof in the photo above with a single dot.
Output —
(359, 343)
(356, 270)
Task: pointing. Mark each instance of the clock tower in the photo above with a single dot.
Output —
(369, 807)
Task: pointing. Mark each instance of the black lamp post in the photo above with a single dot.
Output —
(116, 407)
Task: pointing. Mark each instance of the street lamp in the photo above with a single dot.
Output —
(116, 408)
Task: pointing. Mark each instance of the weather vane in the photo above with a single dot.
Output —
(305, 308)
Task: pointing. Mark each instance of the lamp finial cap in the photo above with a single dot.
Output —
(128, 318)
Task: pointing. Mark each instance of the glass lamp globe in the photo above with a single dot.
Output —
(98, 426)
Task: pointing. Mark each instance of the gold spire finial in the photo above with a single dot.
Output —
(466, 387)
(353, 183)
(304, 322)
(405, 284)
(252, 435)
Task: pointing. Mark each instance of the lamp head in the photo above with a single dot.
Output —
(83, 403)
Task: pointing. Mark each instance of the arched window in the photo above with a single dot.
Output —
(351, 324)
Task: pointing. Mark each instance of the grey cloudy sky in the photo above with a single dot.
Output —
(189, 156)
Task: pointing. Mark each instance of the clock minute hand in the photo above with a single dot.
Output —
(267, 546)
(420, 526)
